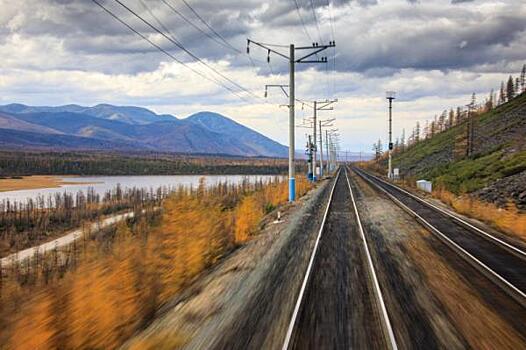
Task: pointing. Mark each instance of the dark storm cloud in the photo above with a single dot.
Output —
(371, 39)
(434, 39)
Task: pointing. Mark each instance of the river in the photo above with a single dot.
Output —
(101, 184)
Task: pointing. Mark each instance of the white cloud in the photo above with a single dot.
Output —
(433, 53)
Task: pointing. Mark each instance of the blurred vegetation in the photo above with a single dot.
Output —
(98, 292)
(508, 219)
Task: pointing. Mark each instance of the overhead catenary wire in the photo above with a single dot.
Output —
(179, 45)
(221, 37)
(208, 25)
(298, 10)
(188, 21)
(208, 35)
(168, 53)
(333, 38)
(315, 19)
(160, 23)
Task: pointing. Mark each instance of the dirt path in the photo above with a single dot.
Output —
(245, 302)
(63, 240)
(434, 298)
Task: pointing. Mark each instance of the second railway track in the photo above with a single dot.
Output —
(504, 264)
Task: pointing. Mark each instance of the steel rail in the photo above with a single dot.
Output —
(292, 323)
(504, 284)
(506, 245)
(378, 291)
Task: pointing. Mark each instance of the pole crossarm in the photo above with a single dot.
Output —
(269, 50)
(325, 105)
(327, 122)
(281, 86)
(317, 49)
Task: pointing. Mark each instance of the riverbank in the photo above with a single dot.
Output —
(17, 183)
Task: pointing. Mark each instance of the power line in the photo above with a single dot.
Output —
(315, 19)
(331, 21)
(160, 23)
(211, 37)
(209, 26)
(179, 45)
(302, 21)
(174, 10)
(168, 53)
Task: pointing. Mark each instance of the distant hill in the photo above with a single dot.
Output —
(107, 127)
(126, 114)
(496, 172)
(253, 140)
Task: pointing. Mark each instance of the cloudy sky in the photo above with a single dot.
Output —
(433, 53)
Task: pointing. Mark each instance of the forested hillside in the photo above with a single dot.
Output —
(14, 163)
(492, 165)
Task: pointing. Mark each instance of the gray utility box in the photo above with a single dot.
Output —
(424, 185)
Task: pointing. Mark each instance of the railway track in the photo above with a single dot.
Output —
(500, 261)
(340, 303)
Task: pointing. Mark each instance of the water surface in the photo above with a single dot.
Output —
(102, 184)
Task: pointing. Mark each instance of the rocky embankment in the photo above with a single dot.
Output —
(502, 191)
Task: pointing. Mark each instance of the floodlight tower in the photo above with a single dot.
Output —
(390, 95)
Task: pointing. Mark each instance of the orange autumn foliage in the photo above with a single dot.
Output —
(248, 215)
(119, 281)
(509, 219)
(33, 331)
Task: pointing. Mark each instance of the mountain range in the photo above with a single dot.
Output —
(126, 128)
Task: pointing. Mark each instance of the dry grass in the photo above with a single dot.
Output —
(508, 220)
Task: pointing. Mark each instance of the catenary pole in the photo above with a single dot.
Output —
(310, 51)
(321, 151)
(390, 95)
(314, 126)
(292, 126)
(328, 154)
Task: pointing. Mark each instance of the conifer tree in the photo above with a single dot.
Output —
(490, 102)
(502, 96)
(510, 90)
(523, 78)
